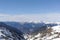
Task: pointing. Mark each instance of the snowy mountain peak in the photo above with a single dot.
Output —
(56, 28)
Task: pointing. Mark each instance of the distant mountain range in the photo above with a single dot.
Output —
(29, 27)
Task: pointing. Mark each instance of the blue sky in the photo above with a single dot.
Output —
(29, 6)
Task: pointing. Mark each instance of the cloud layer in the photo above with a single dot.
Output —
(30, 17)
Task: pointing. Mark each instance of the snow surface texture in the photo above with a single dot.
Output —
(51, 33)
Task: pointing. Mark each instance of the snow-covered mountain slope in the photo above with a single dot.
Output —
(9, 33)
(5, 34)
(51, 33)
(34, 31)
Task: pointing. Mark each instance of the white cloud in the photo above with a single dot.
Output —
(30, 17)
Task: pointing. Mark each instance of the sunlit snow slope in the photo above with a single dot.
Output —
(51, 33)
